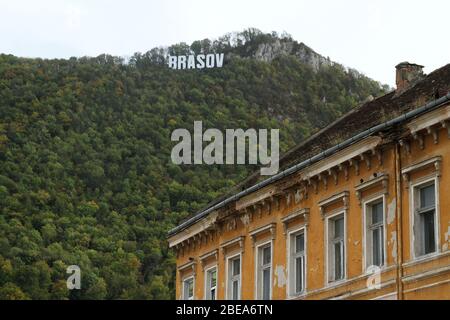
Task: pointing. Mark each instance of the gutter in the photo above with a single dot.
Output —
(404, 117)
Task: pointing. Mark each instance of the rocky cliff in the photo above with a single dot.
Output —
(268, 51)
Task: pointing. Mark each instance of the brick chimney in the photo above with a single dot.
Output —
(407, 75)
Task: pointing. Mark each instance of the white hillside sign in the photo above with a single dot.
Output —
(200, 61)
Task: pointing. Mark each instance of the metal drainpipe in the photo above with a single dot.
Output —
(399, 219)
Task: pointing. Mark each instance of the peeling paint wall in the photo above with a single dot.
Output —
(446, 244)
(280, 276)
(392, 207)
(394, 246)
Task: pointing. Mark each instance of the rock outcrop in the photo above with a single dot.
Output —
(269, 51)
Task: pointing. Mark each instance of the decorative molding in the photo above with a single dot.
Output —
(434, 131)
(298, 196)
(275, 199)
(334, 174)
(269, 206)
(405, 144)
(405, 177)
(435, 161)
(344, 167)
(430, 119)
(355, 163)
(288, 198)
(305, 190)
(319, 172)
(420, 138)
(255, 197)
(446, 125)
(323, 177)
(205, 224)
(225, 245)
(314, 184)
(379, 153)
(304, 212)
(270, 227)
(417, 166)
(366, 158)
(208, 255)
(263, 207)
(360, 188)
(245, 216)
(342, 156)
(257, 209)
(231, 224)
(191, 264)
(343, 196)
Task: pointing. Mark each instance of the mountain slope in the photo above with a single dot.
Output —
(85, 171)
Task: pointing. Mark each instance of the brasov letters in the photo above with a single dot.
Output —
(200, 61)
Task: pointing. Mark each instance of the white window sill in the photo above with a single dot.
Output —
(336, 283)
(425, 258)
(297, 296)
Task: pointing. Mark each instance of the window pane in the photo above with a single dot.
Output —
(338, 261)
(213, 294)
(381, 246)
(300, 243)
(299, 270)
(427, 196)
(339, 228)
(235, 295)
(189, 289)
(236, 267)
(213, 278)
(266, 284)
(377, 212)
(428, 232)
(376, 254)
(266, 255)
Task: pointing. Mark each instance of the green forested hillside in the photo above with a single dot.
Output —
(85, 171)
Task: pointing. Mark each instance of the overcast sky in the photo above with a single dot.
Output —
(371, 36)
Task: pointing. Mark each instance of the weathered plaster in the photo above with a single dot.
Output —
(280, 276)
(391, 211)
(394, 245)
(245, 219)
(446, 244)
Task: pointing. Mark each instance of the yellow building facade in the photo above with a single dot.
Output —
(361, 210)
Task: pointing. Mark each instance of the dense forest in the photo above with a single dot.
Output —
(85, 171)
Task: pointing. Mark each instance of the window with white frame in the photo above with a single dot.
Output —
(211, 284)
(297, 263)
(234, 278)
(336, 248)
(425, 224)
(264, 272)
(188, 288)
(375, 233)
